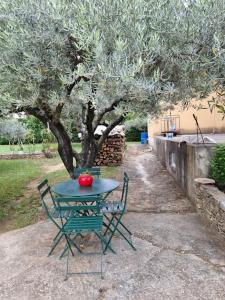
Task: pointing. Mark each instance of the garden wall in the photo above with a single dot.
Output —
(112, 151)
(185, 162)
(210, 203)
(22, 156)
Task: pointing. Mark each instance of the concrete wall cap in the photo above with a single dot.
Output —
(205, 180)
(222, 205)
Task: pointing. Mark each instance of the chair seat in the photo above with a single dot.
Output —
(56, 214)
(80, 224)
(112, 207)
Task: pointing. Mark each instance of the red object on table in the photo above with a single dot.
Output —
(85, 180)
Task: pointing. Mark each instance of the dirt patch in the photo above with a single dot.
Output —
(54, 168)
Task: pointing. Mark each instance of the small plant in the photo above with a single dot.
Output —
(47, 139)
(217, 167)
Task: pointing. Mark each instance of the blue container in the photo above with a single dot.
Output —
(144, 137)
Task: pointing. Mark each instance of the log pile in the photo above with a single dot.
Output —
(112, 151)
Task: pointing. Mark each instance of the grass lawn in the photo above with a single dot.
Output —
(19, 199)
(14, 176)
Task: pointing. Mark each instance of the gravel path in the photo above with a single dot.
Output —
(152, 189)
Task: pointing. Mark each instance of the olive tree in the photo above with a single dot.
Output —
(89, 61)
(13, 131)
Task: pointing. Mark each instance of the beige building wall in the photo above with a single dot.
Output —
(208, 122)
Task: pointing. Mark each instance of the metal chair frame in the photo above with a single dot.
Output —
(52, 212)
(117, 210)
(94, 171)
(85, 217)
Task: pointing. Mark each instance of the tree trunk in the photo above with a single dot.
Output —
(85, 149)
(92, 154)
(89, 150)
(64, 146)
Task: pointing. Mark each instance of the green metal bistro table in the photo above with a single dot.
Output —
(71, 188)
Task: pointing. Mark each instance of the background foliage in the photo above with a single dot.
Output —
(13, 131)
(35, 128)
(217, 168)
(133, 135)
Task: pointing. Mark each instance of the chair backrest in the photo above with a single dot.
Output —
(47, 199)
(79, 206)
(125, 190)
(94, 171)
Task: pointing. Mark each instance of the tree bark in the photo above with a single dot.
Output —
(64, 146)
(65, 149)
(92, 153)
(85, 148)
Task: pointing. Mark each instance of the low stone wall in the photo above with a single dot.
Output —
(22, 156)
(210, 203)
(112, 151)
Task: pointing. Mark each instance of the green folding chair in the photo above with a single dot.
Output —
(52, 212)
(113, 213)
(86, 217)
(94, 171)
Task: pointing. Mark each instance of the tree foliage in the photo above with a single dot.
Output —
(13, 131)
(91, 61)
(217, 167)
(35, 128)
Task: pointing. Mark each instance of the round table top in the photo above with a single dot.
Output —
(71, 188)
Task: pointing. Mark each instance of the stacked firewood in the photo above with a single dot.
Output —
(111, 152)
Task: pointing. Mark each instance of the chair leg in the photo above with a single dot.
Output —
(59, 227)
(119, 231)
(121, 223)
(101, 237)
(110, 222)
(101, 260)
(67, 266)
(129, 242)
(55, 244)
(66, 246)
(55, 238)
(68, 243)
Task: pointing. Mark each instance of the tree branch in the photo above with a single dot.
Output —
(69, 87)
(34, 111)
(109, 129)
(89, 118)
(76, 155)
(106, 110)
(58, 110)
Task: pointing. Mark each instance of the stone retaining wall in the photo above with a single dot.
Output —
(210, 203)
(22, 156)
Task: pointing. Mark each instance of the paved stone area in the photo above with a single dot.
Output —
(152, 189)
(176, 258)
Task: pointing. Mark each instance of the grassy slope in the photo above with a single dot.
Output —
(19, 199)
(14, 176)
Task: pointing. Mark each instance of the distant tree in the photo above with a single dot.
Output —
(94, 61)
(13, 131)
(34, 127)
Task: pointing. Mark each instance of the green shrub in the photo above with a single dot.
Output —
(217, 167)
(3, 141)
(133, 135)
(35, 128)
